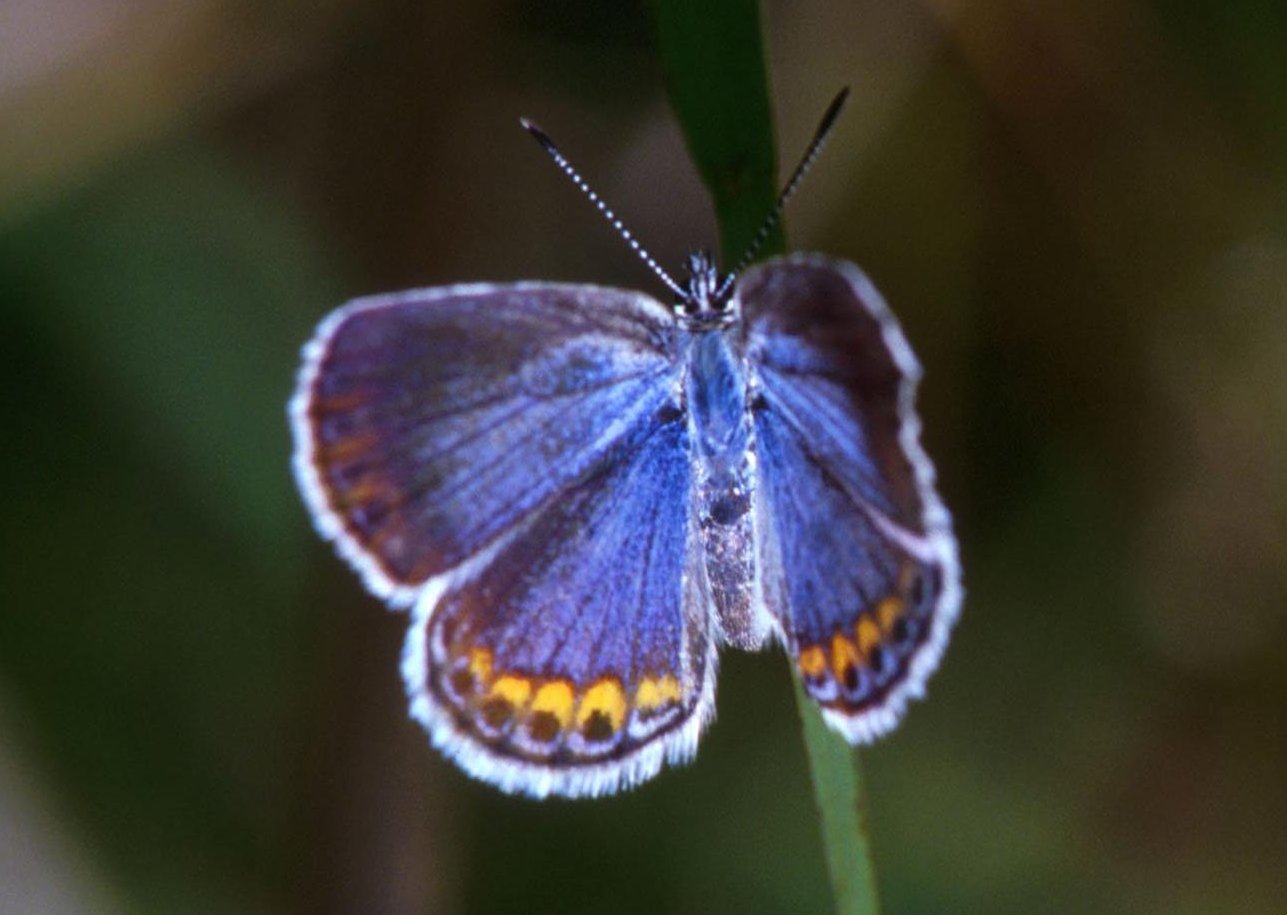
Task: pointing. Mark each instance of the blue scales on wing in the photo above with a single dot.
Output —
(513, 460)
(858, 562)
(580, 658)
(429, 423)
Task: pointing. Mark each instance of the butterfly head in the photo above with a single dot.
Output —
(704, 302)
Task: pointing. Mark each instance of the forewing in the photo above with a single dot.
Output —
(578, 658)
(859, 564)
(429, 423)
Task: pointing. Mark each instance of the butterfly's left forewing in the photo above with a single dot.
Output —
(430, 424)
(857, 556)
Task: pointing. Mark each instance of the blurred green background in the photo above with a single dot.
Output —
(1080, 215)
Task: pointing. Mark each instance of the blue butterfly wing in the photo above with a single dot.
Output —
(858, 561)
(428, 423)
(513, 460)
(579, 658)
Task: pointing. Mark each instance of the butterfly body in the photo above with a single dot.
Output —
(581, 494)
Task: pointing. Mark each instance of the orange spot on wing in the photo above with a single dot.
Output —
(813, 661)
(347, 448)
(555, 698)
(514, 690)
(868, 634)
(343, 402)
(480, 664)
(605, 697)
(887, 611)
(654, 692)
(844, 654)
(365, 491)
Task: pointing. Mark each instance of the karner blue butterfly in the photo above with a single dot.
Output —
(580, 494)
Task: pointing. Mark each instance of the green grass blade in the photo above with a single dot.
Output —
(713, 56)
(836, 770)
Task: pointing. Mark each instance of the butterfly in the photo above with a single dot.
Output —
(580, 494)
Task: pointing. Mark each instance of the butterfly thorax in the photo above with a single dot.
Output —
(716, 393)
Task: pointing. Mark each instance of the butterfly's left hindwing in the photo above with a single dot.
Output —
(857, 556)
(579, 659)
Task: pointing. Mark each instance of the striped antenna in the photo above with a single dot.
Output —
(806, 162)
(544, 139)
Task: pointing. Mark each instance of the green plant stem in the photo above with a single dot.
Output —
(713, 56)
(836, 770)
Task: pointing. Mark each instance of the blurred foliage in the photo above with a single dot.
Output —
(1079, 214)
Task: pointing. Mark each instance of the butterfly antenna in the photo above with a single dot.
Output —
(561, 161)
(806, 162)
